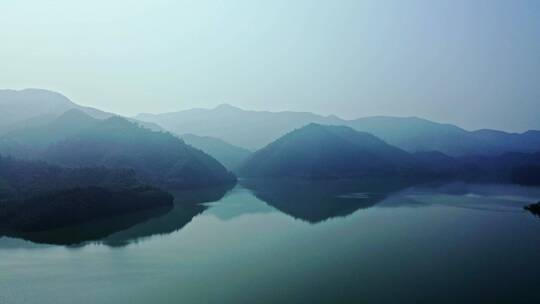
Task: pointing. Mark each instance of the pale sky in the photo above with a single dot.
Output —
(472, 63)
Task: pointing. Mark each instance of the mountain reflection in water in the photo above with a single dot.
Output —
(123, 230)
(309, 201)
(315, 201)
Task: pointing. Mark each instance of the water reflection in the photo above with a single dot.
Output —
(239, 202)
(435, 253)
(123, 230)
(317, 201)
(309, 201)
(187, 205)
(457, 194)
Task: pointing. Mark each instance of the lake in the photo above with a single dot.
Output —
(293, 242)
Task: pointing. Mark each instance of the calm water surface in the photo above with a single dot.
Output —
(293, 242)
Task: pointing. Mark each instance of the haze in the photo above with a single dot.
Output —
(472, 63)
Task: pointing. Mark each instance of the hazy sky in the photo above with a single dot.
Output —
(472, 63)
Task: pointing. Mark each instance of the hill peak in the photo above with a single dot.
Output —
(46, 96)
(313, 126)
(119, 121)
(75, 114)
(73, 118)
(226, 106)
(327, 151)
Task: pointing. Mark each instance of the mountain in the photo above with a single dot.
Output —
(21, 179)
(28, 108)
(31, 107)
(318, 151)
(516, 167)
(36, 196)
(75, 139)
(67, 124)
(501, 142)
(337, 152)
(419, 135)
(157, 158)
(30, 142)
(229, 155)
(442, 165)
(255, 129)
(248, 129)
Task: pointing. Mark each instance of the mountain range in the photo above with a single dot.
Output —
(36, 196)
(328, 152)
(202, 142)
(227, 132)
(58, 160)
(75, 139)
(338, 152)
(29, 108)
(255, 129)
(231, 156)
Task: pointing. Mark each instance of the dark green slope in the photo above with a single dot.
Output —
(318, 151)
(157, 157)
(36, 196)
(68, 124)
(229, 155)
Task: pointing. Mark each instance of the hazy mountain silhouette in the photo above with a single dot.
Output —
(249, 129)
(229, 155)
(35, 196)
(157, 158)
(514, 167)
(420, 135)
(521, 168)
(336, 152)
(501, 142)
(36, 107)
(255, 129)
(77, 140)
(67, 124)
(442, 165)
(319, 151)
(22, 179)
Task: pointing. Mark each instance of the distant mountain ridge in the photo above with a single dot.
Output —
(252, 130)
(67, 124)
(338, 152)
(255, 129)
(77, 140)
(20, 178)
(229, 155)
(248, 129)
(28, 108)
(327, 152)
(36, 196)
